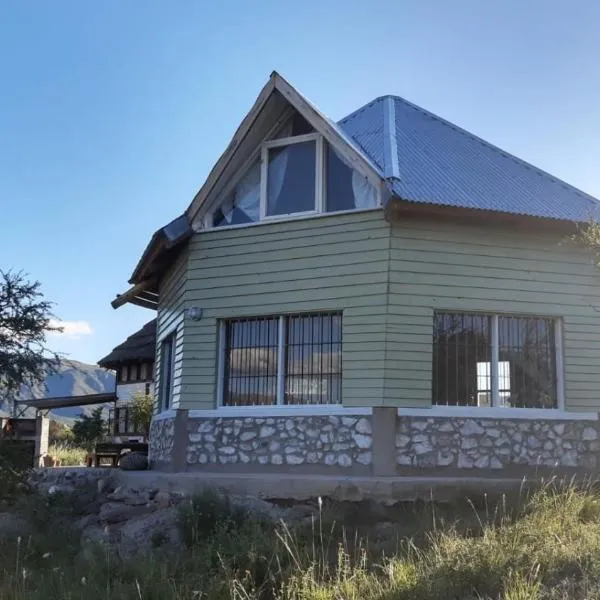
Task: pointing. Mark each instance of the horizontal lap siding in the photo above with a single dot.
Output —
(330, 264)
(172, 291)
(436, 265)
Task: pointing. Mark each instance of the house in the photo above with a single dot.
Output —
(133, 363)
(376, 296)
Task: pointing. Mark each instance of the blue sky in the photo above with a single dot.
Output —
(112, 113)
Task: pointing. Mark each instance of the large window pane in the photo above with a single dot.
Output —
(251, 350)
(346, 188)
(527, 346)
(313, 372)
(291, 179)
(461, 360)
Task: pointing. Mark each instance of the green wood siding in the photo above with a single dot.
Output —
(387, 280)
(330, 263)
(172, 293)
(436, 265)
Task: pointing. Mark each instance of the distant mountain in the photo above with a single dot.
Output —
(73, 378)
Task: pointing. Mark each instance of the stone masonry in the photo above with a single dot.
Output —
(496, 443)
(162, 436)
(313, 440)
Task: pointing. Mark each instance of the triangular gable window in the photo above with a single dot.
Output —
(297, 173)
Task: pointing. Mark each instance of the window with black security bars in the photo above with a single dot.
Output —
(292, 359)
(496, 360)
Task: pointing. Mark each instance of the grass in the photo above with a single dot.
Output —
(69, 455)
(547, 546)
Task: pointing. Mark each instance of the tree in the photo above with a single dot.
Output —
(60, 433)
(142, 409)
(25, 320)
(588, 236)
(89, 429)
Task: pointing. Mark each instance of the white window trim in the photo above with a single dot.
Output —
(498, 411)
(295, 217)
(279, 404)
(289, 141)
(264, 174)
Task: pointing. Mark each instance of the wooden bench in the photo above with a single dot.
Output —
(114, 451)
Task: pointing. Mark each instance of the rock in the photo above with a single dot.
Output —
(402, 440)
(470, 427)
(419, 425)
(258, 508)
(364, 426)
(363, 441)
(59, 488)
(12, 527)
(266, 431)
(134, 461)
(364, 458)
(445, 458)
(404, 460)
(483, 462)
(422, 448)
(589, 434)
(344, 460)
(145, 533)
(464, 461)
(468, 443)
(86, 522)
(294, 459)
(116, 512)
(246, 436)
(162, 499)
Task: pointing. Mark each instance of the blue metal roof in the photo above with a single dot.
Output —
(440, 163)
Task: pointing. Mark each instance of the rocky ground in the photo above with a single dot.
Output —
(129, 520)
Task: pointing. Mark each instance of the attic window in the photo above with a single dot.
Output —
(295, 174)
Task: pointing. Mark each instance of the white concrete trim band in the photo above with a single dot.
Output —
(497, 412)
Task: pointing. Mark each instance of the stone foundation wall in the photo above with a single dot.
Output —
(384, 444)
(330, 441)
(162, 437)
(496, 443)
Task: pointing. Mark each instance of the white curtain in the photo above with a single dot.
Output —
(365, 194)
(247, 193)
(245, 196)
(276, 176)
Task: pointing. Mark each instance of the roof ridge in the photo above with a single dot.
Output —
(505, 153)
(354, 113)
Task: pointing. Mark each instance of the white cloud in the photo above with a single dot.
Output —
(71, 329)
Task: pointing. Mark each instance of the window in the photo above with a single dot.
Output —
(291, 172)
(294, 359)
(167, 367)
(296, 172)
(492, 360)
